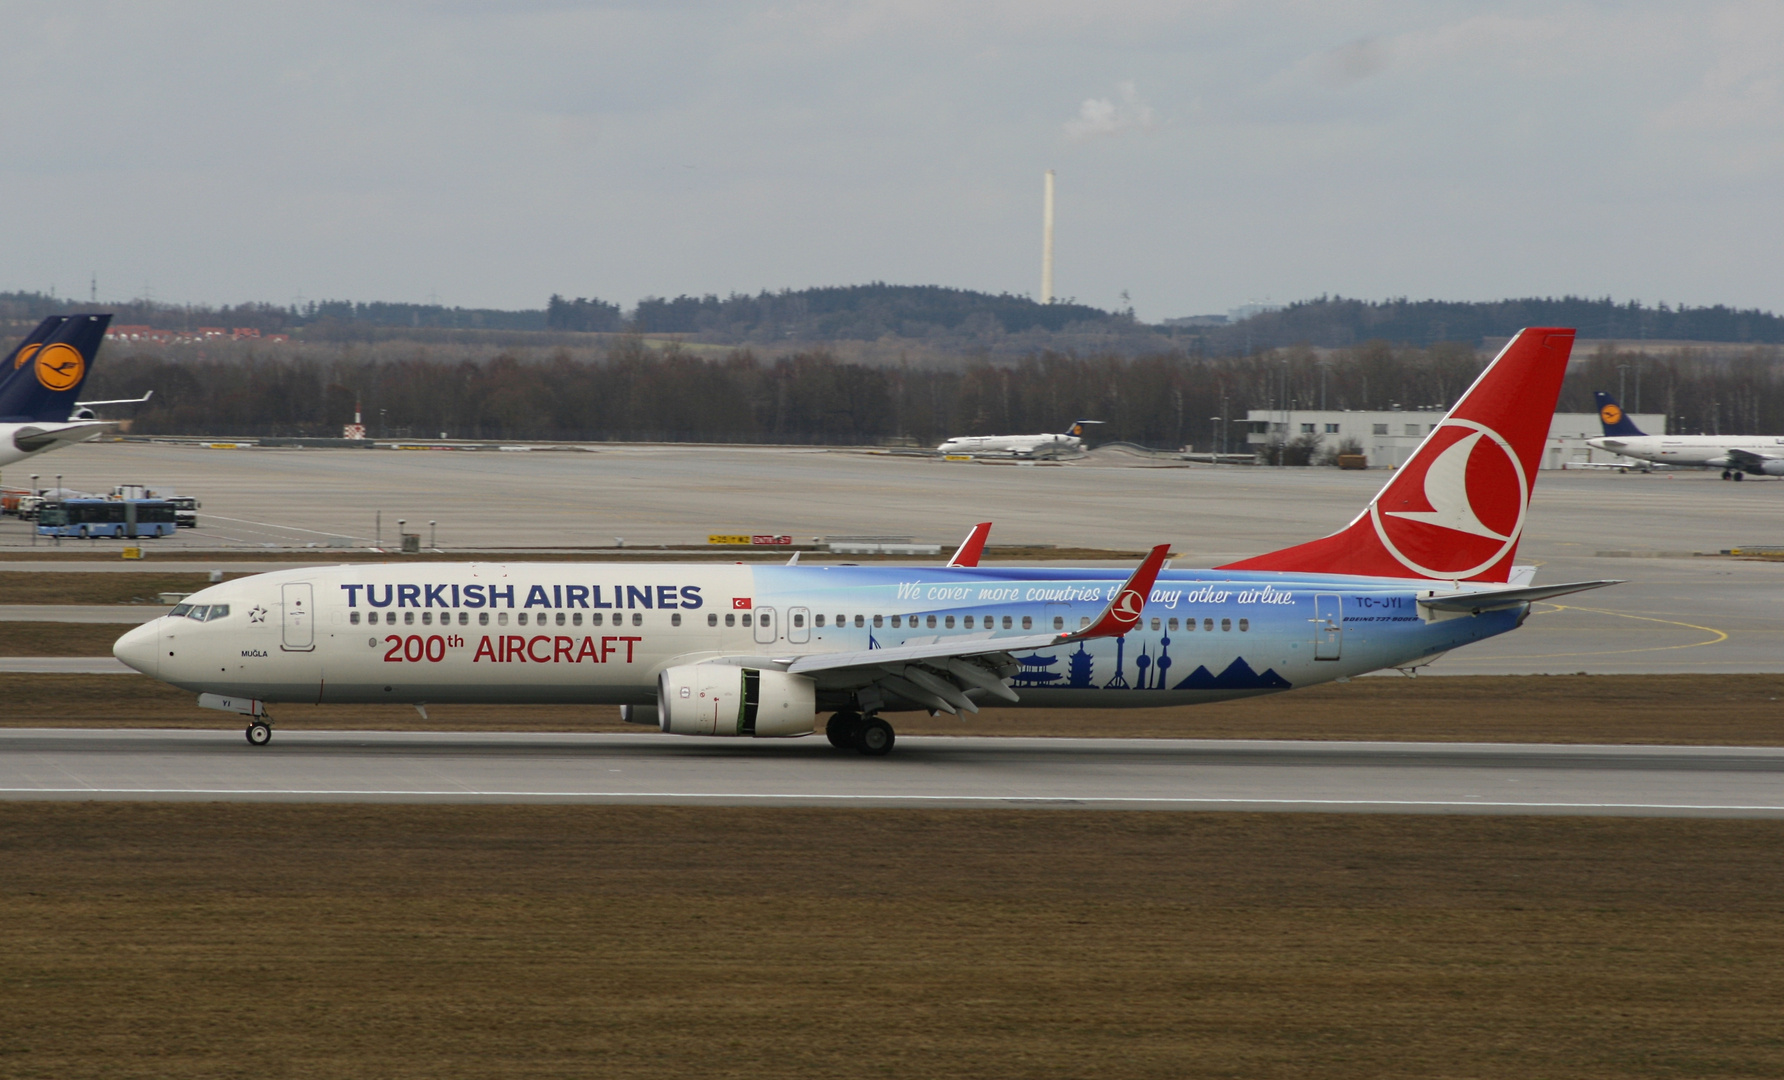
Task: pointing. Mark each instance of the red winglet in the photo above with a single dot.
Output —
(1123, 612)
(1455, 511)
(973, 546)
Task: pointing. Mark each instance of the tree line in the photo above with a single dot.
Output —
(631, 391)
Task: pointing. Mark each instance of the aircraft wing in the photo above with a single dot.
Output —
(30, 438)
(938, 674)
(116, 401)
(1747, 459)
(1474, 603)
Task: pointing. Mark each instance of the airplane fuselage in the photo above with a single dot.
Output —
(19, 441)
(1697, 451)
(601, 633)
(1017, 445)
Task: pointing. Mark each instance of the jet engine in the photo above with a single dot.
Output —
(724, 699)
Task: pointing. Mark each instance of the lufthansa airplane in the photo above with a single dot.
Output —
(1070, 441)
(40, 381)
(1735, 455)
(735, 650)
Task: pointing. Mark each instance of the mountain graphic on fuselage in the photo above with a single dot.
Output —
(1237, 676)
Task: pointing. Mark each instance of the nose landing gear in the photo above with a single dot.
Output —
(866, 734)
(260, 732)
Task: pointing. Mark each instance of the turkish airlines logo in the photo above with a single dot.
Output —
(1458, 507)
(1127, 606)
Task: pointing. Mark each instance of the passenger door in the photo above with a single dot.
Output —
(1328, 626)
(299, 619)
(766, 630)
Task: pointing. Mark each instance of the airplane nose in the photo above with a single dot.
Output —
(141, 648)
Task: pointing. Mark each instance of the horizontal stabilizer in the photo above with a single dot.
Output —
(1497, 599)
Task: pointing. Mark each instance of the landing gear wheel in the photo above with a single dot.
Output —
(259, 733)
(876, 738)
(1725, 474)
(1740, 476)
(843, 729)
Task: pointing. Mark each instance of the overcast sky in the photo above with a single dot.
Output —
(490, 154)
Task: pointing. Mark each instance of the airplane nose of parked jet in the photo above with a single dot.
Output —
(141, 648)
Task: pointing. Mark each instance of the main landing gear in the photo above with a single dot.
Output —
(867, 734)
(1733, 474)
(260, 731)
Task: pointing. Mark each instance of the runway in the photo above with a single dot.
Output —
(1130, 774)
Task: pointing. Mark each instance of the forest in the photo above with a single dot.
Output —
(630, 389)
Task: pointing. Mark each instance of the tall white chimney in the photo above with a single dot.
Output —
(1047, 241)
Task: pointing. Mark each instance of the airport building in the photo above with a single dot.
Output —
(1388, 437)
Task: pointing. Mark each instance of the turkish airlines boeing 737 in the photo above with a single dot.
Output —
(734, 650)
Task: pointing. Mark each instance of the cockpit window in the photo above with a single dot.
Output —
(202, 612)
(199, 612)
(180, 609)
(218, 611)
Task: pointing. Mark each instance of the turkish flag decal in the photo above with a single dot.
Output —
(740, 603)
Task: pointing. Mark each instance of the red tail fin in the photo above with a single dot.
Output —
(1455, 510)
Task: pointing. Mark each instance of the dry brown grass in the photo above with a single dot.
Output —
(228, 940)
(1739, 710)
(59, 639)
(77, 587)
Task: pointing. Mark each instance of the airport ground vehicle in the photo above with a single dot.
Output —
(185, 511)
(741, 650)
(121, 518)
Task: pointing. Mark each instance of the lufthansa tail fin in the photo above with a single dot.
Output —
(1455, 510)
(47, 375)
(1612, 416)
(22, 353)
(1076, 431)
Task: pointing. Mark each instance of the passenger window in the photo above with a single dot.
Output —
(841, 620)
(766, 617)
(1244, 625)
(1207, 624)
(746, 620)
(798, 619)
(637, 618)
(502, 618)
(576, 618)
(1059, 622)
(675, 619)
(931, 622)
(948, 622)
(353, 618)
(560, 618)
(1007, 622)
(427, 618)
(1172, 624)
(895, 622)
(712, 618)
(967, 623)
(859, 621)
(1226, 625)
(594, 619)
(817, 620)
(730, 619)
(464, 618)
(523, 618)
(483, 618)
(409, 618)
(1027, 622)
(1155, 624)
(879, 621)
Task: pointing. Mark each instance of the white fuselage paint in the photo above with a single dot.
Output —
(600, 633)
(20, 441)
(1690, 451)
(1018, 445)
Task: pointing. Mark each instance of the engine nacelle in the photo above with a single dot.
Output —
(1772, 467)
(724, 699)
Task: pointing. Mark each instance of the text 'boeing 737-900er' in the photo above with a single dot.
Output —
(761, 650)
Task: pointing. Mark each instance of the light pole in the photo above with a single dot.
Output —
(1622, 379)
(1221, 420)
(430, 535)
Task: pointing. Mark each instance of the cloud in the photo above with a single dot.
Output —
(1111, 116)
(1354, 61)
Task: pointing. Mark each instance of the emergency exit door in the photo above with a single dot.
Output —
(766, 631)
(299, 620)
(1328, 626)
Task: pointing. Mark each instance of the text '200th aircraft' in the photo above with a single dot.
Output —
(40, 382)
(1069, 441)
(737, 650)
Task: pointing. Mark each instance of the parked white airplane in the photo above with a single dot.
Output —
(1069, 441)
(739, 650)
(40, 382)
(1735, 455)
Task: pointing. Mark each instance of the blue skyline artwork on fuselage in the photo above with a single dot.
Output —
(1152, 672)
